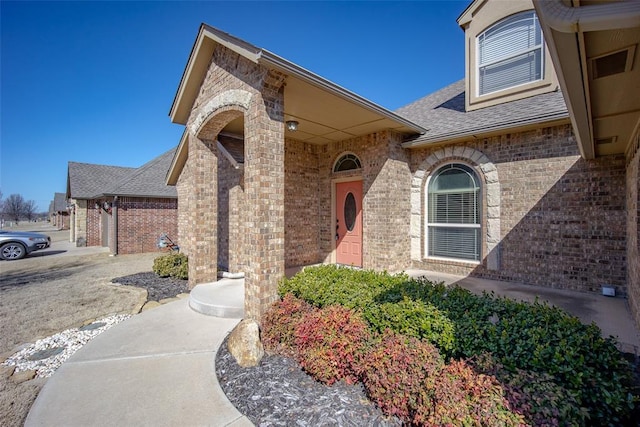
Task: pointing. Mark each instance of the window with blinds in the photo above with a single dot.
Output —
(510, 53)
(453, 213)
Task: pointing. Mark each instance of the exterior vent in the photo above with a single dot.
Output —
(613, 63)
(609, 140)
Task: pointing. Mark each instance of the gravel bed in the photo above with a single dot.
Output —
(278, 393)
(158, 288)
(47, 354)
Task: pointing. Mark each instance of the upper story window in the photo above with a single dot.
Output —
(510, 53)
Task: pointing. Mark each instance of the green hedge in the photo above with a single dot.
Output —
(175, 265)
(520, 337)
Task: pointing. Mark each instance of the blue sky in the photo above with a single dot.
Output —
(93, 81)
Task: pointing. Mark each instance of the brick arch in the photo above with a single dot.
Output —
(236, 100)
(491, 190)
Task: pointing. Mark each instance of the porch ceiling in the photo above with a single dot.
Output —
(324, 117)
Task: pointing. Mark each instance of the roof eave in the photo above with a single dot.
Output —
(487, 131)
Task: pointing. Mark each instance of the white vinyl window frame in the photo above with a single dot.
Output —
(453, 218)
(509, 54)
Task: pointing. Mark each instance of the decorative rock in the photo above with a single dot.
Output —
(244, 344)
(6, 371)
(47, 354)
(149, 305)
(182, 296)
(167, 300)
(23, 376)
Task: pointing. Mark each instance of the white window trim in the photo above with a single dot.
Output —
(477, 65)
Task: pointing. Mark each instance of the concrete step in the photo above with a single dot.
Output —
(224, 298)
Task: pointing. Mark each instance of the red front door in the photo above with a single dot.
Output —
(349, 223)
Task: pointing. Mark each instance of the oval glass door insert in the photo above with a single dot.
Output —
(350, 211)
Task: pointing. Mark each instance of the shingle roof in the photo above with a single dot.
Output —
(90, 181)
(444, 114)
(59, 202)
(148, 180)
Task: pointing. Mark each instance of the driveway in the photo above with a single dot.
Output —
(55, 289)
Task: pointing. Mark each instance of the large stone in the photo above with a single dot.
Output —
(244, 344)
(23, 376)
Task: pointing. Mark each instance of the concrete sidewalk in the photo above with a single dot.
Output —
(155, 369)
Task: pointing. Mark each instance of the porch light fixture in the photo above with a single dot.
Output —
(292, 125)
(106, 206)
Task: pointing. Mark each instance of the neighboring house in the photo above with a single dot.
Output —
(59, 212)
(125, 209)
(279, 167)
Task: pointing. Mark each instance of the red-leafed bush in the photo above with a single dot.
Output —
(395, 372)
(330, 342)
(279, 324)
(462, 397)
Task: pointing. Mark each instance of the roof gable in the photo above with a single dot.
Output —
(148, 180)
(90, 181)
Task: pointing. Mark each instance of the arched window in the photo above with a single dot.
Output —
(510, 53)
(347, 162)
(453, 213)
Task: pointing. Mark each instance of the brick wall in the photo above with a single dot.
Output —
(562, 218)
(185, 203)
(301, 204)
(230, 208)
(94, 224)
(633, 228)
(141, 221)
(80, 222)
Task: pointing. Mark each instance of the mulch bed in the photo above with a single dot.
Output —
(157, 287)
(278, 393)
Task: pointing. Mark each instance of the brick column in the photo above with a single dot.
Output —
(203, 246)
(264, 192)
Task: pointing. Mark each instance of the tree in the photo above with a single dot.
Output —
(29, 209)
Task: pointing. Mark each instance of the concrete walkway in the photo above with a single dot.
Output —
(155, 369)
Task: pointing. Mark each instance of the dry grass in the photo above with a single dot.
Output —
(49, 292)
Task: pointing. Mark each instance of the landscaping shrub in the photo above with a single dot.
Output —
(280, 322)
(395, 372)
(330, 284)
(175, 265)
(583, 373)
(417, 319)
(462, 397)
(330, 342)
(537, 396)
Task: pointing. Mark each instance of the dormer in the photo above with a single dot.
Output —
(505, 54)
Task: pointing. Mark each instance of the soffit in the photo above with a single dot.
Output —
(602, 108)
(615, 99)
